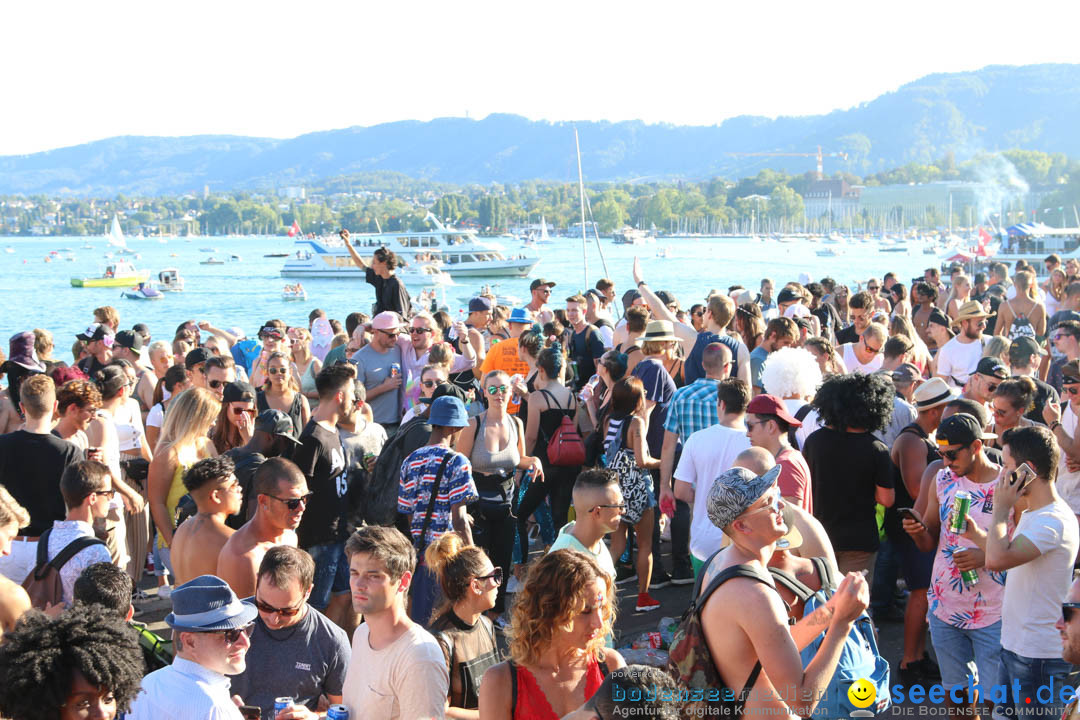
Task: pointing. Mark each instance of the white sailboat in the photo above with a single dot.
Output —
(115, 237)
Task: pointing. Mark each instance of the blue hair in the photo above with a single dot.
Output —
(551, 359)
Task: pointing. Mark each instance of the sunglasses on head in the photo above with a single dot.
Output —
(496, 389)
(232, 636)
(495, 576)
(293, 503)
(953, 454)
(283, 612)
(1068, 610)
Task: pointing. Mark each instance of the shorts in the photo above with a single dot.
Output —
(916, 566)
(331, 573)
(966, 652)
(636, 485)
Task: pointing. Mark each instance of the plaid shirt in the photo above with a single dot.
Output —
(693, 408)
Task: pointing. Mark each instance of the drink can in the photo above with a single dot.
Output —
(337, 712)
(282, 703)
(961, 505)
(395, 369)
(970, 577)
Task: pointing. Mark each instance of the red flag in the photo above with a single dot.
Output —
(295, 229)
(984, 237)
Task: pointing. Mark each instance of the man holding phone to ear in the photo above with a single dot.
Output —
(1039, 557)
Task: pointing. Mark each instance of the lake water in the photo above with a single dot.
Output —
(34, 293)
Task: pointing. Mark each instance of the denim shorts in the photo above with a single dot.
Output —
(331, 573)
(1049, 674)
(966, 652)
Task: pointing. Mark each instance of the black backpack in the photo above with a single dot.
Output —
(43, 584)
(380, 502)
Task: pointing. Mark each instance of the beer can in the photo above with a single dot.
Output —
(395, 369)
(970, 578)
(337, 712)
(961, 505)
(282, 703)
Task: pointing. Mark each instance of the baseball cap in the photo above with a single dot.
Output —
(961, 429)
(992, 367)
(667, 297)
(905, 373)
(238, 391)
(96, 331)
(630, 297)
(196, 356)
(129, 339)
(1024, 347)
(787, 295)
(939, 318)
(538, 282)
(442, 390)
(479, 304)
(275, 422)
(766, 404)
(734, 491)
(271, 331)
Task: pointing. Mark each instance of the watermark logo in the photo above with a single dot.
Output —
(862, 695)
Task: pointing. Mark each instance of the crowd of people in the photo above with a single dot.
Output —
(424, 513)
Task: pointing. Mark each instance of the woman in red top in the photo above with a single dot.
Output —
(558, 658)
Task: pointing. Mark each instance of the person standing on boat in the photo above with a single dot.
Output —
(390, 292)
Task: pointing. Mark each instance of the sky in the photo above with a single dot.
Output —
(76, 72)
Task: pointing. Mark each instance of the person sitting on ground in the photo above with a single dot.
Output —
(397, 670)
(598, 509)
(557, 654)
(287, 628)
(13, 599)
(84, 663)
(281, 496)
(198, 540)
(469, 585)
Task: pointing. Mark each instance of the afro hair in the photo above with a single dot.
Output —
(791, 372)
(39, 658)
(855, 401)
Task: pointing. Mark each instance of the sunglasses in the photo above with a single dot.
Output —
(419, 330)
(620, 506)
(276, 371)
(233, 636)
(496, 389)
(106, 493)
(1068, 610)
(389, 333)
(215, 384)
(871, 348)
(495, 576)
(953, 454)
(283, 612)
(873, 288)
(991, 387)
(1071, 389)
(293, 503)
(429, 383)
(999, 412)
(240, 411)
(773, 507)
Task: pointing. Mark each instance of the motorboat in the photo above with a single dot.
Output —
(663, 252)
(491, 291)
(423, 274)
(144, 291)
(170, 280)
(208, 249)
(829, 252)
(460, 253)
(293, 293)
(87, 246)
(277, 255)
(212, 261)
(118, 274)
(631, 236)
(9, 250)
(235, 258)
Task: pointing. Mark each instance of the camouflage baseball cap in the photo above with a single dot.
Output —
(734, 491)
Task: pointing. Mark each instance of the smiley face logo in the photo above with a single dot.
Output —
(862, 693)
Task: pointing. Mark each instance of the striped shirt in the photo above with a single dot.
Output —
(416, 481)
(693, 408)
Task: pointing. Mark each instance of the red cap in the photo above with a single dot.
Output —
(772, 405)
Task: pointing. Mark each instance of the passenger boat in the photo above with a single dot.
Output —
(145, 291)
(170, 280)
(460, 253)
(117, 274)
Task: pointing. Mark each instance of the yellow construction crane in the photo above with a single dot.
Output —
(819, 155)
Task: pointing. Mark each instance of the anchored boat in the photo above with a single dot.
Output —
(118, 274)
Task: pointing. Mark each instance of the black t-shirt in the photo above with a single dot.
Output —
(827, 316)
(586, 347)
(30, 468)
(1061, 316)
(322, 460)
(845, 470)
(390, 293)
(90, 366)
(1043, 393)
(246, 464)
(847, 335)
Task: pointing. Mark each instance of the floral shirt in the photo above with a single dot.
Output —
(960, 605)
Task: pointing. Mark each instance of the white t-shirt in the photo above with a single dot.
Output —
(810, 424)
(407, 680)
(156, 416)
(851, 361)
(1068, 483)
(956, 361)
(706, 454)
(1035, 590)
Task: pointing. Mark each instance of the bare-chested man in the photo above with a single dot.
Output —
(744, 619)
(281, 494)
(199, 539)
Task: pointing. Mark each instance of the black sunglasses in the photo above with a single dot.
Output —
(215, 384)
(293, 503)
(1068, 610)
(620, 506)
(495, 575)
(952, 454)
(233, 636)
(283, 612)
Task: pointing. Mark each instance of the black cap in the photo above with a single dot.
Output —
(540, 281)
(95, 331)
(961, 429)
(667, 297)
(939, 318)
(480, 304)
(443, 389)
(129, 339)
(195, 357)
(1024, 347)
(629, 297)
(275, 422)
(142, 329)
(238, 391)
(992, 367)
(787, 295)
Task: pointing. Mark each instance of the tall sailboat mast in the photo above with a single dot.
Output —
(581, 191)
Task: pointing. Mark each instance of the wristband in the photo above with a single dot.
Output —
(641, 283)
(1055, 425)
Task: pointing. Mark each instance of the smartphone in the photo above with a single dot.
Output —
(1022, 475)
(910, 513)
(251, 712)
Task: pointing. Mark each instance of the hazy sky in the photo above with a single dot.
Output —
(76, 72)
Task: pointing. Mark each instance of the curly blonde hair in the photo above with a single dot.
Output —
(555, 592)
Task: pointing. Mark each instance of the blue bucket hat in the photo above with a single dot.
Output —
(207, 603)
(448, 411)
(519, 315)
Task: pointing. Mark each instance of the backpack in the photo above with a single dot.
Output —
(1021, 325)
(380, 503)
(43, 584)
(245, 352)
(858, 660)
(800, 415)
(565, 448)
(689, 661)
